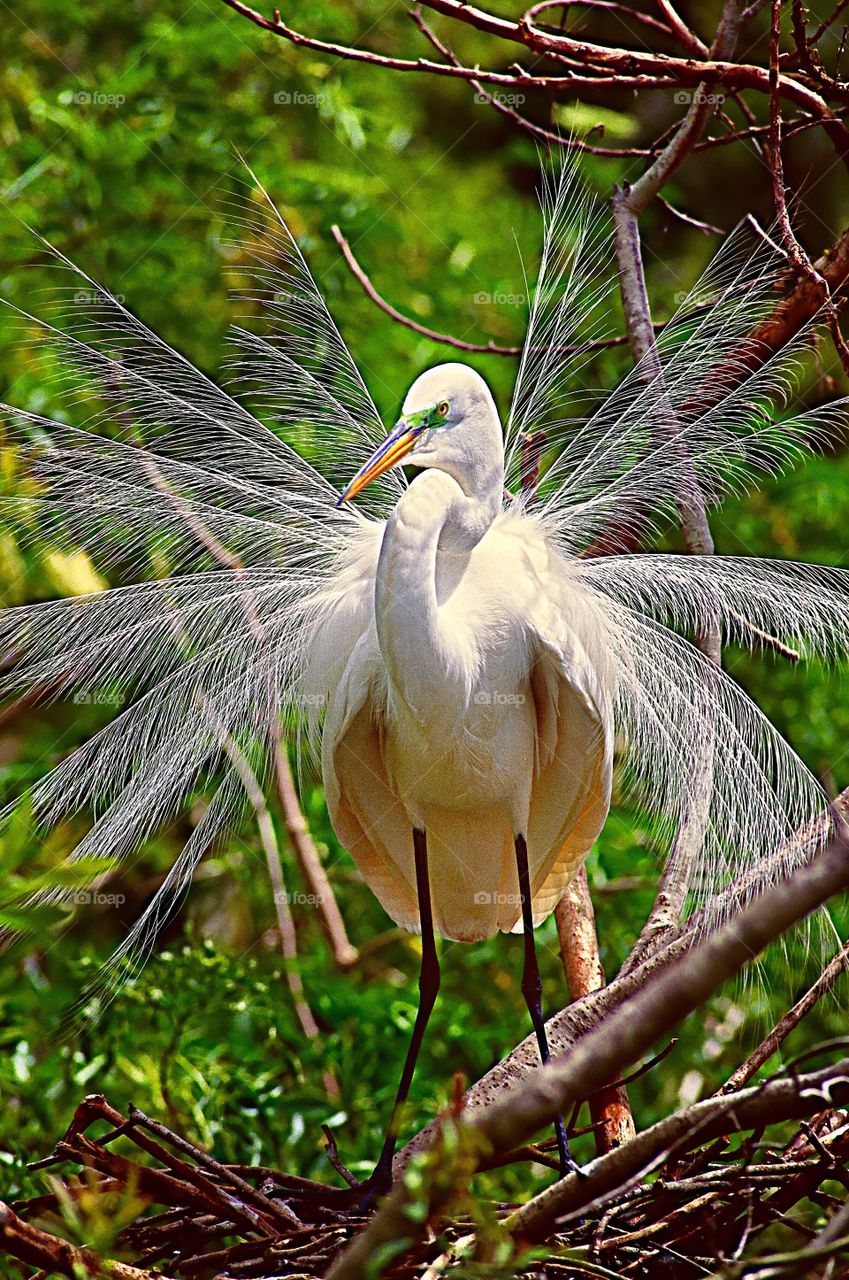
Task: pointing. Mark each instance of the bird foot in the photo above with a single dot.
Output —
(377, 1185)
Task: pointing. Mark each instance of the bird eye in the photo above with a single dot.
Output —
(442, 409)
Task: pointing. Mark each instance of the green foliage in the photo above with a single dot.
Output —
(121, 129)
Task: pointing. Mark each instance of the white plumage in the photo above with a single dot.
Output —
(461, 699)
(463, 665)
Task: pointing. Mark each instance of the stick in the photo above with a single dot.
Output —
(610, 1111)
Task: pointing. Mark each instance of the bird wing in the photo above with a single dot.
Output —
(570, 796)
(572, 687)
(694, 745)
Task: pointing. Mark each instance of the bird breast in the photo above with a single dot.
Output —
(460, 718)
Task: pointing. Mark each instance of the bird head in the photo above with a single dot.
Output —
(448, 421)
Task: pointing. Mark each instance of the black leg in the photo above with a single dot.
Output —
(532, 989)
(381, 1179)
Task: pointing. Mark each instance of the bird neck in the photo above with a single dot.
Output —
(426, 548)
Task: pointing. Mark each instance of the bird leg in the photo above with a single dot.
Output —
(532, 990)
(381, 1179)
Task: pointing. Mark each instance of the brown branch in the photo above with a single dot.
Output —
(55, 1256)
(614, 1044)
(566, 1028)
(570, 142)
(706, 228)
(368, 288)
(345, 953)
(687, 38)
(770, 1103)
(489, 348)
(611, 68)
(828, 22)
(610, 1111)
(798, 256)
(285, 922)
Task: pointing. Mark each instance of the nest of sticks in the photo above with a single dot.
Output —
(704, 1206)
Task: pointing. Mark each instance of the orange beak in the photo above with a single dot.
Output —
(396, 446)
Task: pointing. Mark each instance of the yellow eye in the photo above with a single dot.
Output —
(442, 409)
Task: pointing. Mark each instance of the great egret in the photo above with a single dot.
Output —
(458, 665)
(469, 732)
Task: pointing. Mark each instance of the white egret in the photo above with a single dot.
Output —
(469, 732)
(458, 665)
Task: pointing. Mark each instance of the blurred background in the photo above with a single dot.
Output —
(124, 135)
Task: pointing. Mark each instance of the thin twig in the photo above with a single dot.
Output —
(285, 922)
(771, 1043)
(486, 348)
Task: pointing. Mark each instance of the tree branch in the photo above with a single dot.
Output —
(567, 1027)
(609, 1048)
(489, 348)
(610, 1111)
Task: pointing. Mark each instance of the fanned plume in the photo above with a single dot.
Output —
(231, 511)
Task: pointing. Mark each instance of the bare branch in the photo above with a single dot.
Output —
(567, 1027)
(285, 923)
(776, 1100)
(489, 348)
(576, 931)
(54, 1256)
(611, 1046)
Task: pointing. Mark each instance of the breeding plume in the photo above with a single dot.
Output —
(462, 669)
